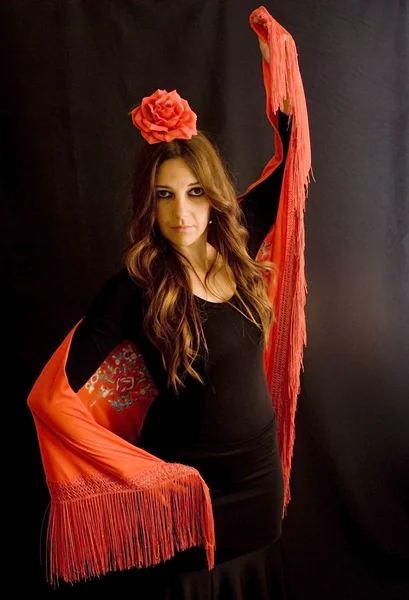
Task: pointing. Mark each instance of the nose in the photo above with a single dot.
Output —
(180, 206)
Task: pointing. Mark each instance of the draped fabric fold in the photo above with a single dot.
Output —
(113, 505)
(285, 243)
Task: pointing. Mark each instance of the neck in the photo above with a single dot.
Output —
(200, 255)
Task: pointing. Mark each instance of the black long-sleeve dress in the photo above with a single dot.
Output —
(225, 429)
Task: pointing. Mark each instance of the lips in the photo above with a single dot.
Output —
(183, 228)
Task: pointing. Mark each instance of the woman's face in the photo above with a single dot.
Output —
(182, 208)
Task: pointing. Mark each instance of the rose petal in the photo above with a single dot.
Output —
(174, 96)
(157, 95)
(146, 110)
(164, 113)
(151, 139)
(178, 109)
(149, 126)
(137, 117)
(165, 137)
(168, 123)
(140, 122)
(182, 133)
(172, 123)
(167, 113)
(189, 121)
(161, 102)
(187, 108)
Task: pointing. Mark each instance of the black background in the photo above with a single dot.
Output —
(71, 71)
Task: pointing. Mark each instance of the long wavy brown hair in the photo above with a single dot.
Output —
(173, 322)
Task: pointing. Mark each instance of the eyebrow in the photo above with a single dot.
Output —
(167, 187)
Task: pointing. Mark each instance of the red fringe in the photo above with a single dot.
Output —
(98, 524)
(284, 358)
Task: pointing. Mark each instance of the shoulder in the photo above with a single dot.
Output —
(122, 281)
(118, 293)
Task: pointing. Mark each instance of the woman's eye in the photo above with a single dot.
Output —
(196, 191)
(166, 194)
(163, 194)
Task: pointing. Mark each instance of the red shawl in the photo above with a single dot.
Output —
(113, 505)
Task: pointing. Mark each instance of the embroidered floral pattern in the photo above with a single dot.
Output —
(264, 252)
(122, 379)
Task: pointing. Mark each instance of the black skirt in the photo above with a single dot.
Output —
(245, 481)
(257, 575)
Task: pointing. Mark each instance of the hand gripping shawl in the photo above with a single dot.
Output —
(113, 505)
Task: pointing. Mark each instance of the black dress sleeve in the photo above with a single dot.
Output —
(115, 314)
(260, 205)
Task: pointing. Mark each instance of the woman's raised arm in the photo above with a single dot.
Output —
(282, 240)
(261, 199)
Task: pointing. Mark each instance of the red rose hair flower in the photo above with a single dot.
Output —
(163, 117)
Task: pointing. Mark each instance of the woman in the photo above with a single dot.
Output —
(155, 417)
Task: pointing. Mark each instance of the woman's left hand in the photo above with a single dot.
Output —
(265, 51)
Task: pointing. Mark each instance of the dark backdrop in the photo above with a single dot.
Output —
(71, 71)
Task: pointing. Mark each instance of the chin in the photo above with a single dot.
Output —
(184, 243)
(184, 239)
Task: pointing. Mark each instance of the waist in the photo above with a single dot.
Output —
(227, 464)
